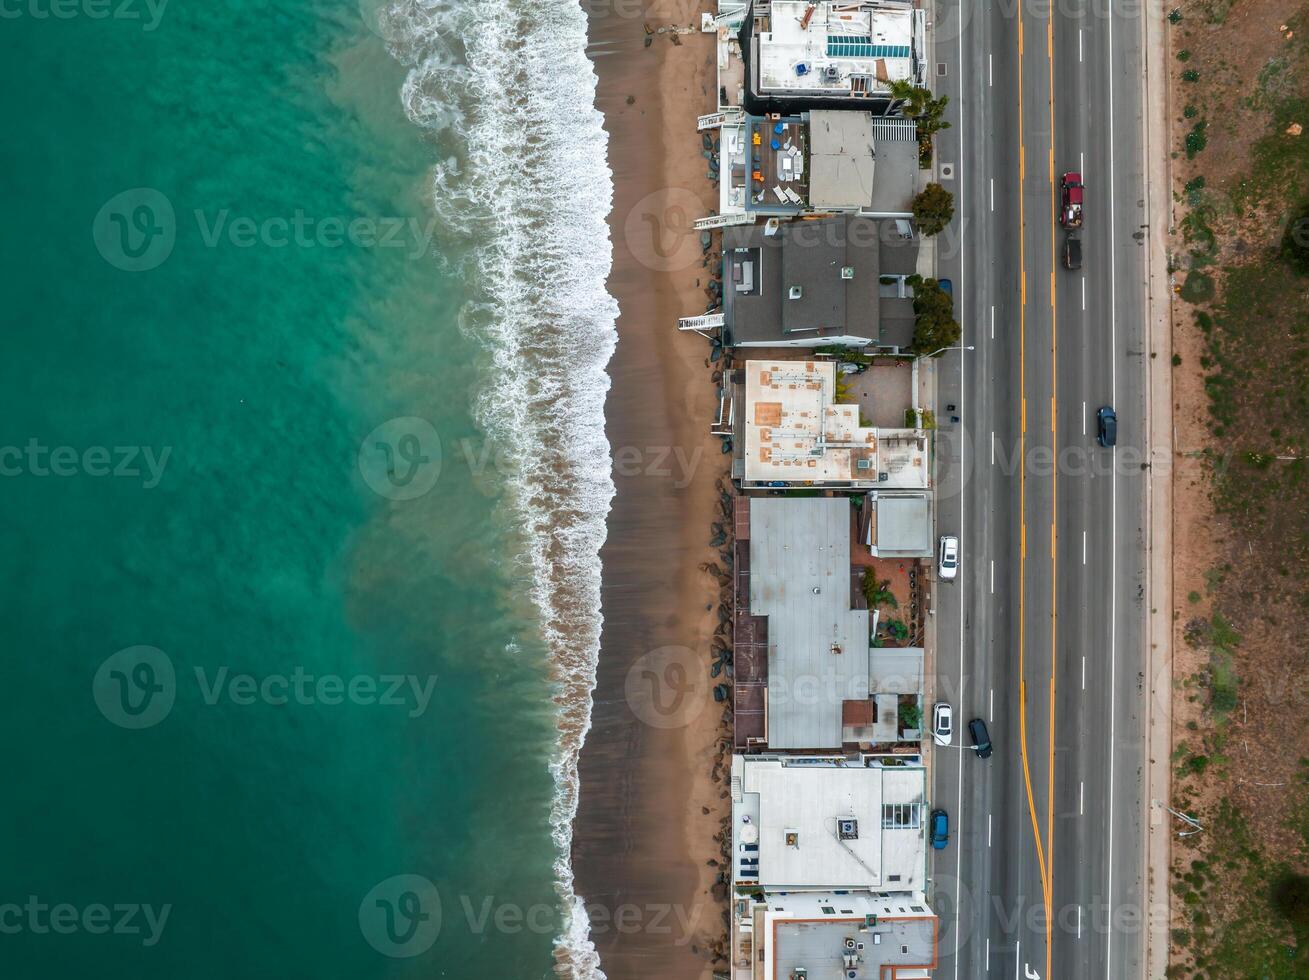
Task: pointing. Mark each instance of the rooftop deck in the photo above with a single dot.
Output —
(779, 175)
(837, 49)
(796, 433)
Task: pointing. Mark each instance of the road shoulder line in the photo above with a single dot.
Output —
(1157, 857)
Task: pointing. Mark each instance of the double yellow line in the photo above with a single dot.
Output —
(1044, 847)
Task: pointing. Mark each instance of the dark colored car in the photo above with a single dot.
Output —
(981, 738)
(1106, 426)
(1072, 252)
(1070, 192)
(947, 287)
(940, 829)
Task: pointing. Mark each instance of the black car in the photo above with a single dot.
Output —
(981, 738)
(1106, 426)
(1072, 252)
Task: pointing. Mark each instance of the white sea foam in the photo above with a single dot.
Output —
(510, 87)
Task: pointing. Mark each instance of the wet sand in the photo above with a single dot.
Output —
(642, 840)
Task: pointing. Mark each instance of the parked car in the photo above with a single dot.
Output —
(947, 566)
(1072, 252)
(940, 829)
(1070, 191)
(942, 723)
(1106, 426)
(947, 287)
(981, 738)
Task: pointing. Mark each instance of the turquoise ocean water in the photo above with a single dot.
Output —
(276, 349)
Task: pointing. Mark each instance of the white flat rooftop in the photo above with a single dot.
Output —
(817, 644)
(820, 823)
(796, 433)
(838, 49)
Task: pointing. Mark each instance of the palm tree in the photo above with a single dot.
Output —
(917, 103)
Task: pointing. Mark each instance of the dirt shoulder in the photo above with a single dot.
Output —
(1239, 98)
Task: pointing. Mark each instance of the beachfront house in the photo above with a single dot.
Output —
(805, 284)
(790, 430)
(829, 868)
(817, 162)
(806, 674)
(830, 55)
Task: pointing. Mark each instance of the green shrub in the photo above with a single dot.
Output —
(1295, 242)
(933, 209)
(1198, 287)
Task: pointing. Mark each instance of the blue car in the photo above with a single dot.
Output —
(940, 829)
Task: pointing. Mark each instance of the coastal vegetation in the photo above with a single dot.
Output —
(933, 209)
(935, 327)
(928, 111)
(878, 593)
(1240, 266)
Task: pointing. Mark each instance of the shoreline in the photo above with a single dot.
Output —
(643, 836)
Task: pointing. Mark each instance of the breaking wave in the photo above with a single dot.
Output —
(510, 87)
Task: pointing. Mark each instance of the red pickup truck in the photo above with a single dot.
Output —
(1070, 188)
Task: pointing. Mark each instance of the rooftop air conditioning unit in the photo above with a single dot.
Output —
(847, 272)
(863, 464)
(795, 292)
(849, 942)
(883, 477)
(848, 829)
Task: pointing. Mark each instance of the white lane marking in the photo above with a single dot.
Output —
(1018, 955)
(1083, 547)
(963, 460)
(1083, 418)
(990, 707)
(1113, 524)
(1083, 292)
(1083, 673)
(988, 954)
(1081, 164)
(990, 79)
(1081, 799)
(992, 193)
(992, 576)
(1079, 922)
(993, 323)
(993, 456)
(1079, 45)
(988, 831)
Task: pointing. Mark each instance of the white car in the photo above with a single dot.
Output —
(947, 566)
(942, 723)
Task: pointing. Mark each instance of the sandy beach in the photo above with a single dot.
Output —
(649, 808)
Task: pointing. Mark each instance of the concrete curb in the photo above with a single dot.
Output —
(1159, 491)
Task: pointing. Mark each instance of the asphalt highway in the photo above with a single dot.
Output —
(1042, 634)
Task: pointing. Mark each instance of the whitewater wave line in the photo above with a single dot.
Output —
(530, 184)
